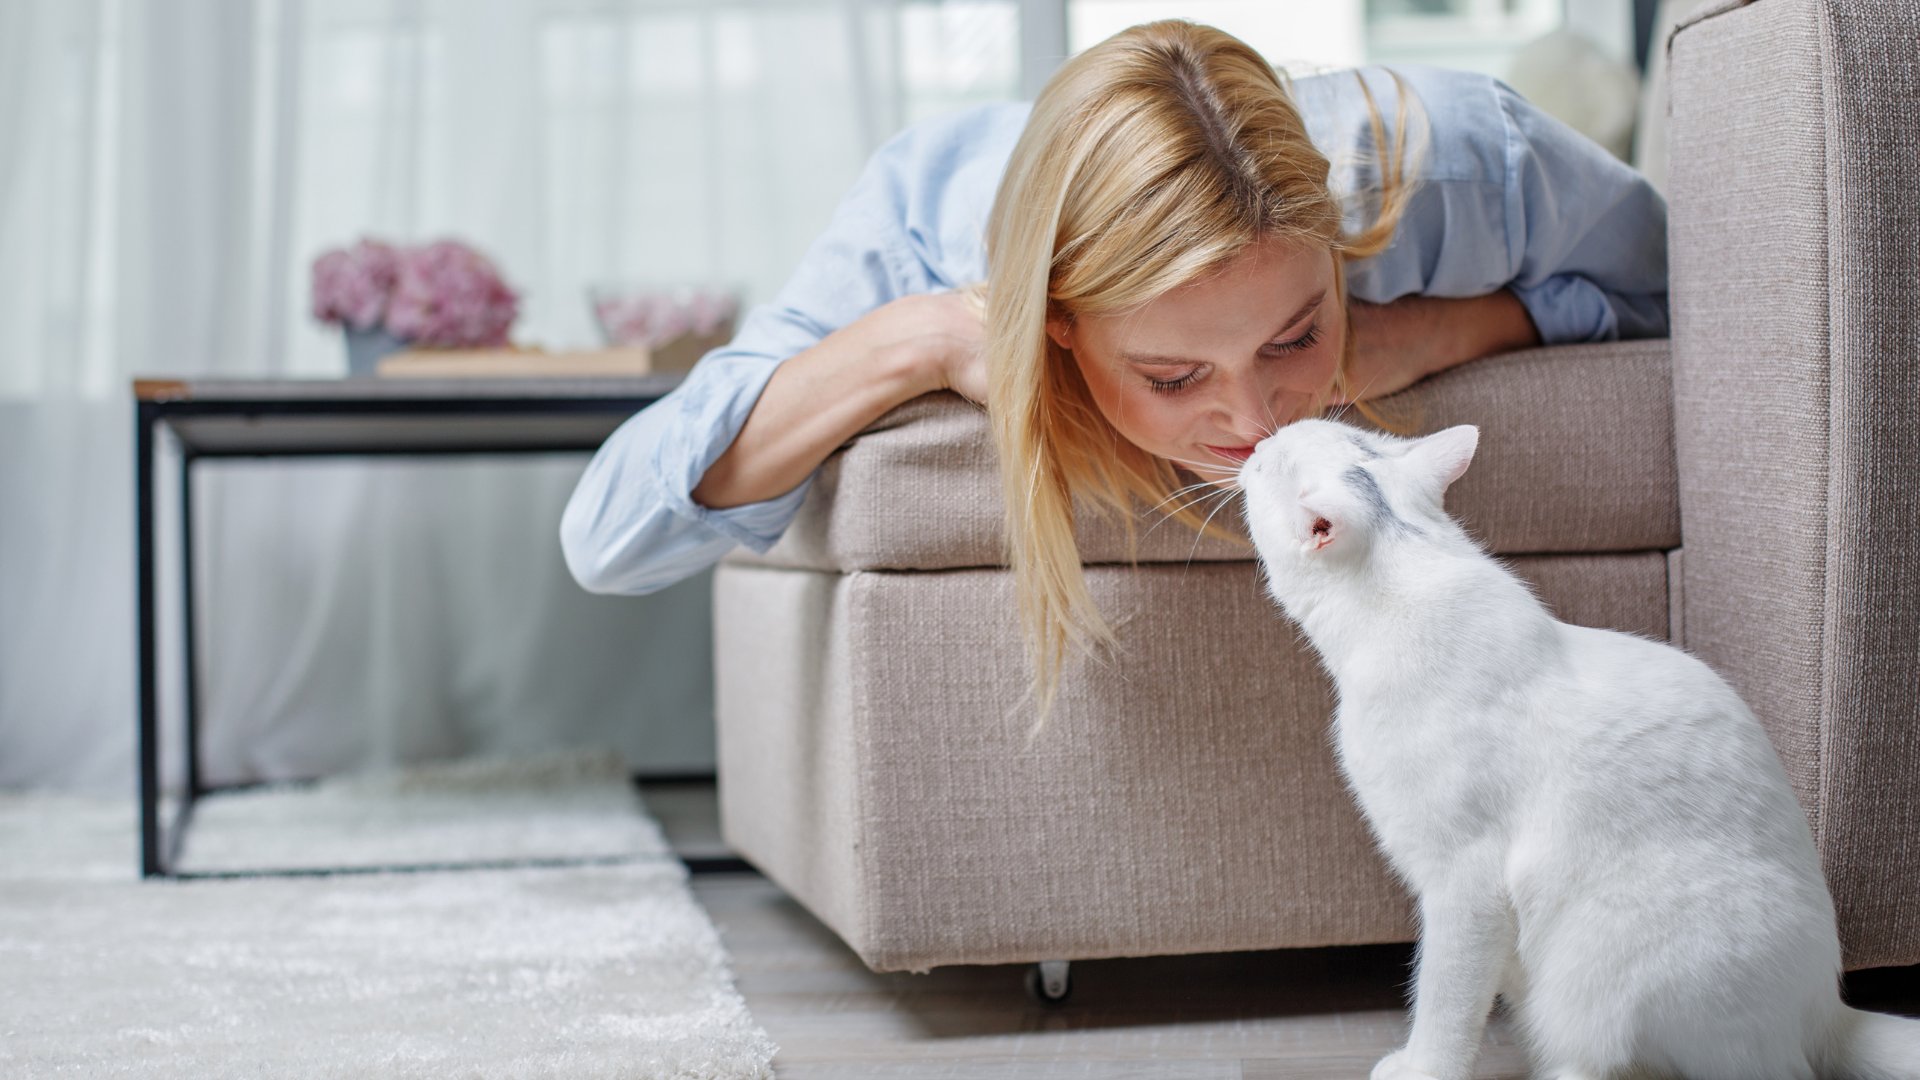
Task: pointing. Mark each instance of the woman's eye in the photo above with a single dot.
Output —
(1305, 341)
(1174, 386)
(1300, 344)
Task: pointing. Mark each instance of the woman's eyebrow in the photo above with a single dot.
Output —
(1158, 360)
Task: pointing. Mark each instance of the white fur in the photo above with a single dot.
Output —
(1595, 825)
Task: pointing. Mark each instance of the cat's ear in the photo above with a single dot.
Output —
(1442, 457)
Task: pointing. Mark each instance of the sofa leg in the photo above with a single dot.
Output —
(1049, 982)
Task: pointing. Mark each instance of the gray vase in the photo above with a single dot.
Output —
(366, 347)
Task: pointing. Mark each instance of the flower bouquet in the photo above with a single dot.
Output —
(438, 295)
(676, 326)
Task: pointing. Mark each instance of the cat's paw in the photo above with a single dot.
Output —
(1396, 1066)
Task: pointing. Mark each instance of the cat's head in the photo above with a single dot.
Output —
(1322, 494)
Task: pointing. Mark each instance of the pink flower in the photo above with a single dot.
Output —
(441, 294)
(658, 318)
(352, 286)
(712, 313)
(448, 294)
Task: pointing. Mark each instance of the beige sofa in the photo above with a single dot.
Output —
(1750, 490)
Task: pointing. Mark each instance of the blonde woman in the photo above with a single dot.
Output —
(1179, 252)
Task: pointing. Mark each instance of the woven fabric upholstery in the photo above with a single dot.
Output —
(1183, 799)
(1795, 244)
(1576, 454)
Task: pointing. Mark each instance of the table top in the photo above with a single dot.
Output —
(160, 388)
(372, 416)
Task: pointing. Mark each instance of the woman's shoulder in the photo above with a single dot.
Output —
(938, 176)
(1459, 121)
(1451, 238)
(952, 138)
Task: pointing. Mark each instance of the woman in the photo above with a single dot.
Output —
(1169, 273)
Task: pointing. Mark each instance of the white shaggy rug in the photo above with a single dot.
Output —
(530, 970)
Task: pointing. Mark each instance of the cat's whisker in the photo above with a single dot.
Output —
(1181, 508)
(1191, 552)
(1207, 483)
(1182, 491)
(1195, 466)
(1225, 496)
(1215, 466)
(1255, 424)
(1340, 410)
(1200, 500)
(1353, 399)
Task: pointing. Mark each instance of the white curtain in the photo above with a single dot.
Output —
(168, 171)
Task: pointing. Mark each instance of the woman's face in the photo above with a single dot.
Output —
(1203, 372)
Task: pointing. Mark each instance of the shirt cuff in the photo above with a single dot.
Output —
(757, 525)
(714, 402)
(1568, 308)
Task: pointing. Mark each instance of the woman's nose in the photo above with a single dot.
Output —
(1252, 407)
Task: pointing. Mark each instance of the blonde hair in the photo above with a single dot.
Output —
(1149, 161)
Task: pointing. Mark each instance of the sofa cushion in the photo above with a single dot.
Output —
(1576, 455)
(1183, 798)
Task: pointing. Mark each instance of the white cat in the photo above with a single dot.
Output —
(1595, 825)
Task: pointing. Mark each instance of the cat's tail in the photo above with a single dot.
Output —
(1871, 1046)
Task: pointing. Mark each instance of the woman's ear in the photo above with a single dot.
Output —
(1060, 327)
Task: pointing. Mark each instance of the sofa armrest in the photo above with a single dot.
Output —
(1795, 246)
(1576, 456)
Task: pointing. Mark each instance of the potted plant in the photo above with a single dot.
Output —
(385, 297)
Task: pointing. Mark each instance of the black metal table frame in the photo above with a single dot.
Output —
(160, 846)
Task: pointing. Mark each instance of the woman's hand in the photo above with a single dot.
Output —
(818, 399)
(1396, 345)
(946, 335)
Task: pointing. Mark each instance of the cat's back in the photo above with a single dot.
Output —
(1639, 709)
(1631, 665)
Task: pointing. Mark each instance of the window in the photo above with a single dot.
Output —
(1478, 35)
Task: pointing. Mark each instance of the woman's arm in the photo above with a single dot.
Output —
(824, 396)
(1513, 209)
(863, 325)
(1397, 344)
(725, 458)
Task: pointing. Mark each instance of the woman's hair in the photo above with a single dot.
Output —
(1151, 160)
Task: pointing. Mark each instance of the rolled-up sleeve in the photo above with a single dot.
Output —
(1586, 234)
(631, 525)
(1506, 197)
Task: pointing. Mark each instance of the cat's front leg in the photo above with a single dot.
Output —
(1466, 941)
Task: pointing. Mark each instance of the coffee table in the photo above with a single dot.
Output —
(210, 418)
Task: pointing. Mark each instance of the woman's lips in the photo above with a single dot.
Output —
(1232, 453)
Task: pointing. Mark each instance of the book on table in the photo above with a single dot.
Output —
(676, 356)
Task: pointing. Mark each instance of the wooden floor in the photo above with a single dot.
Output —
(1235, 1016)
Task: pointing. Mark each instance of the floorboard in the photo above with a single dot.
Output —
(1286, 1015)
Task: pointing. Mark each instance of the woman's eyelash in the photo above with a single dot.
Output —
(1305, 341)
(1173, 386)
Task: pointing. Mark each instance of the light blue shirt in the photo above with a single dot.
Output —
(1508, 197)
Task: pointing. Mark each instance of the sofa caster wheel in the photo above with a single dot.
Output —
(1049, 982)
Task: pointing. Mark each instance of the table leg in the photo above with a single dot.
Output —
(149, 734)
(189, 641)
